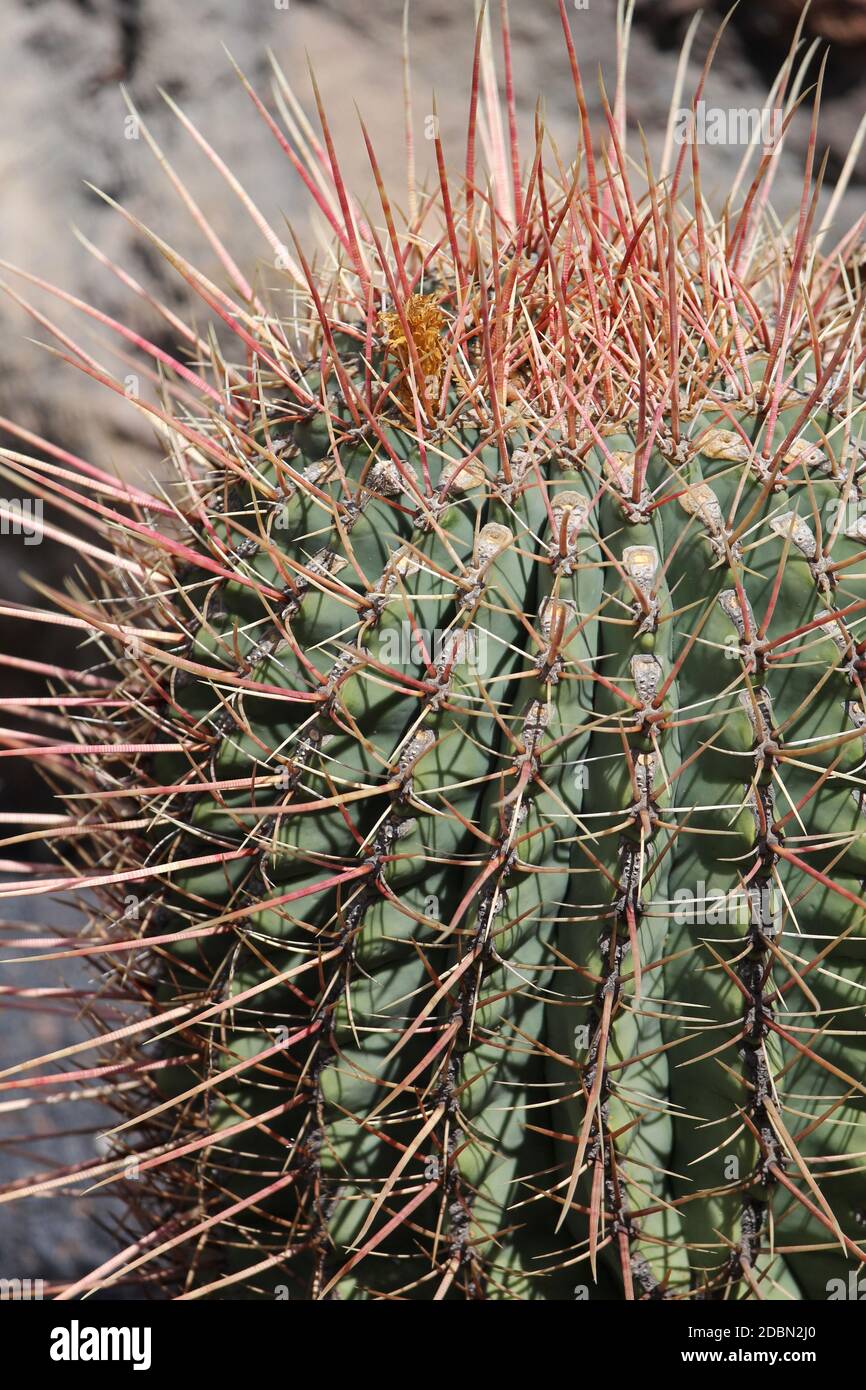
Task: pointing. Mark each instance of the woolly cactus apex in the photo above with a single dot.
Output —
(467, 767)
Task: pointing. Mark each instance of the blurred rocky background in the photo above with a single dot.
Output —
(64, 126)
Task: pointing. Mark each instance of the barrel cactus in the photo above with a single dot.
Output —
(464, 781)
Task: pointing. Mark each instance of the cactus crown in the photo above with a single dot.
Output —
(467, 766)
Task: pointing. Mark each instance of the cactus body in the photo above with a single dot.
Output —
(492, 743)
